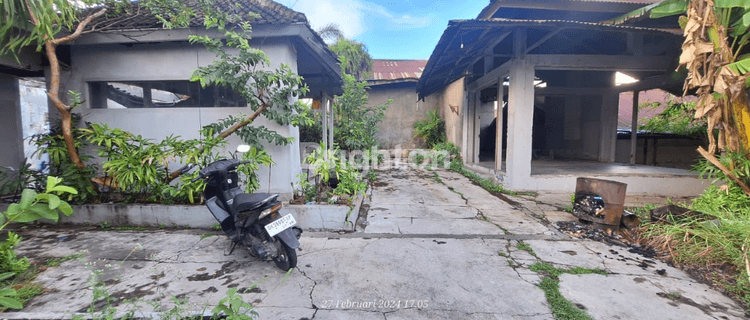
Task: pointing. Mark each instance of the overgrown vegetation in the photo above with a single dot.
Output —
(562, 308)
(334, 180)
(355, 122)
(431, 130)
(137, 168)
(32, 206)
(714, 51)
(716, 237)
(677, 118)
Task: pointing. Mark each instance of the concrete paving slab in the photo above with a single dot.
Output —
(630, 297)
(559, 216)
(379, 211)
(457, 275)
(433, 226)
(409, 314)
(425, 261)
(515, 222)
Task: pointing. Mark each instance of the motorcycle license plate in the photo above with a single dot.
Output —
(281, 224)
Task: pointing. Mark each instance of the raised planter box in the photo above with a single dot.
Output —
(309, 217)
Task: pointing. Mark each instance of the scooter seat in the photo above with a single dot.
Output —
(251, 201)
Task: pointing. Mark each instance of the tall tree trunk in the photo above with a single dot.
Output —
(54, 87)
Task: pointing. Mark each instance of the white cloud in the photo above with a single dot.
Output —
(355, 17)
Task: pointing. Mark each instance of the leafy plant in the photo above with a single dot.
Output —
(716, 34)
(328, 165)
(356, 123)
(31, 207)
(234, 308)
(677, 118)
(431, 130)
(60, 165)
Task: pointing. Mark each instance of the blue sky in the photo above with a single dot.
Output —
(395, 29)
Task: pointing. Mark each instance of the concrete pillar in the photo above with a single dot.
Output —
(465, 126)
(499, 125)
(634, 127)
(330, 122)
(476, 130)
(471, 112)
(11, 130)
(520, 123)
(608, 127)
(324, 120)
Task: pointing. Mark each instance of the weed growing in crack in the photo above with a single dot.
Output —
(562, 309)
(457, 192)
(207, 235)
(54, 262)
(525, 247)
(103, 304)
(437, 179)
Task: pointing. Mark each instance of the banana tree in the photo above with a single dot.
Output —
(715, 55)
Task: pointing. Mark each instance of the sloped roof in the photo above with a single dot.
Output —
(397, 69)
(138, 17)
(465, 40)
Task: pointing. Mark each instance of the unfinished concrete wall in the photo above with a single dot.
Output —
(450, 105)
(397, 128)
(574, 122)
(176, 61)
(677, 153)
(11, 132)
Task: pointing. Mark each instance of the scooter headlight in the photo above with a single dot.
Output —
(270, 210)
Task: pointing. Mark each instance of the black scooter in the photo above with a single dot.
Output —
(252, 220)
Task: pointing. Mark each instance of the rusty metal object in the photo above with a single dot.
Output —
(630, 220)
(600, 201)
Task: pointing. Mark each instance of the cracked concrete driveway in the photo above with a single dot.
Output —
(436, 246)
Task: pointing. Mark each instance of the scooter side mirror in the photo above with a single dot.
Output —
(243, 148)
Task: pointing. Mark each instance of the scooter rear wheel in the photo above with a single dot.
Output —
(287, 258)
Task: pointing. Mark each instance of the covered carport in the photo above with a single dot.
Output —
(563, 69)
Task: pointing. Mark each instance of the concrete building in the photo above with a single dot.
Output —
(137, 79)
(547, 70)
(396, 80)
(11, 129)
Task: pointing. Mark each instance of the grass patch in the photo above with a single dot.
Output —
(714, 238)
(562, 309)
(207, 235)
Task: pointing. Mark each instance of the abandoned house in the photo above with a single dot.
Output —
(137, 79)
(539, 78)
(396, 80)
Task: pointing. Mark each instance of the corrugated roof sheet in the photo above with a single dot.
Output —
(397, 69)
(140, 18)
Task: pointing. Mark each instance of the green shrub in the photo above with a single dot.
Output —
(431, 130)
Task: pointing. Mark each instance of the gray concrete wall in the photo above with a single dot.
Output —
(397, 128)
(450, 104)
(34, 111)
(176, 61)
(11, 132)
(679, 153)
(575, 122)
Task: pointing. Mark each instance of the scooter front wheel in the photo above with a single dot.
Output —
(287, 258)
